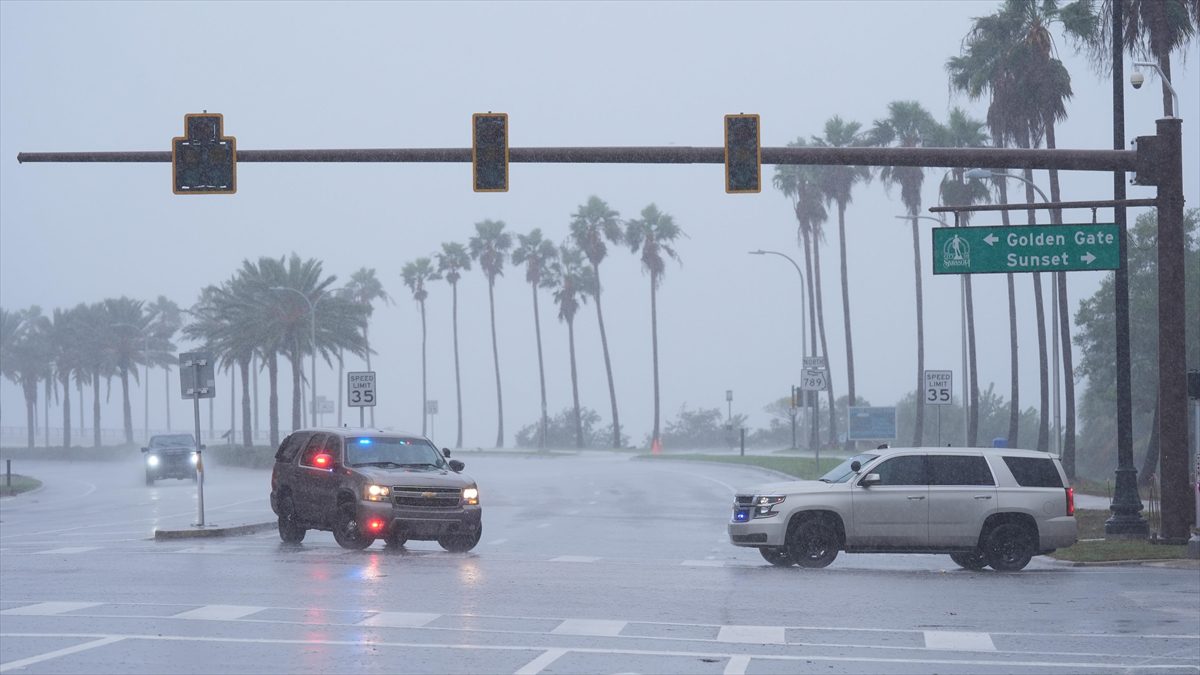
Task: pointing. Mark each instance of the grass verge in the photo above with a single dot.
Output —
(1092, 547)
(799, 467)
(19, 484)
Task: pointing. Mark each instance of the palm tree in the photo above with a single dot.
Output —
(416, 274)
(12, 325)
(167, 320)
(365, 288)
(489, 247)
(592, 225)
(802, 184)
(962, 131)
(65, 334)
(575, 283)
(653, 235)
(29, 360)
(128, 325)
(837, 184)
(538, 256)
(452, 262)
(908, 125)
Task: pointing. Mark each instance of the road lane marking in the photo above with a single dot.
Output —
(599, 627)
(49, 608)
(21, 663)
(737, 665)
(69, 550)
(208, 549)
(959, 641)
(703, 563)
(399, 620)
(496, 542)
(219, 612)
(764, 635)
(539, 664)
(575, 558)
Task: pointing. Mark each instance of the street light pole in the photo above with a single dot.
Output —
(803, 308)
(312, 316)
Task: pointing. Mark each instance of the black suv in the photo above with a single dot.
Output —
(170, 456)
(365, 484)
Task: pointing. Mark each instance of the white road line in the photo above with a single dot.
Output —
(208, 549)
(959, 641)
(69, 550)
(762, 635)
(399, 619)
(599, 627)
(737, 665)
(21, 663)
(575, 558)
(49, 608)
(219, 612)
(539, 664)
(496, 542)
(703, 563)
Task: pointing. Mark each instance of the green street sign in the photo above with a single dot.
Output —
(1025, 248)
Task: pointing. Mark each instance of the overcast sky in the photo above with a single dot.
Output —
(120, 76)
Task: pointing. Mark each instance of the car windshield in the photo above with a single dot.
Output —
(842, 472)
(394, 451)
(172, 441)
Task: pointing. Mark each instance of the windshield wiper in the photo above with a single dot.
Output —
(420, 464)
(380, 464)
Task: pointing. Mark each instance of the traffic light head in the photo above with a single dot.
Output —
(489, 152)
(203, 161)
(743, 154)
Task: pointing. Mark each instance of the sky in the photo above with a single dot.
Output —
(298, 75)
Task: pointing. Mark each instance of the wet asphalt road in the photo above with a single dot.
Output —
(588, 564)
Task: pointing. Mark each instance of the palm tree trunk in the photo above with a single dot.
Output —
(457, 378)
(127, 412)
(247, 430)
(29, 385)
(824, 345)
(1014, 393)
(367, 343)
(79, 390)
(654, 346)
(297, 360)
(273, 397)
(814, 424)
(1043, 437)
(96, 409)
(537, 330)
(919, 423)
(341, 379)
(424, 381)
(166, 395)
(66, 385)
(850, 393)
(46, 409)
(496, 361)
(612, 390)
(575, 383)
(254, 383)
(1064, 330)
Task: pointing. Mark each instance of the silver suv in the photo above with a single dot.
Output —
(983, 506)
(364, 484)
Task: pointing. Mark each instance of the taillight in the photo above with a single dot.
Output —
(1070, 501)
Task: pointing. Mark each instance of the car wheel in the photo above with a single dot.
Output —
(1009, 547)
(394, 540)
(814, 544)
(460, 543)
(969, 561)
(346, 531)
(290, 531)
(779, 557)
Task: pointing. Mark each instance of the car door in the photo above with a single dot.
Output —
(962, 494)
(895, 511)
(314, 480)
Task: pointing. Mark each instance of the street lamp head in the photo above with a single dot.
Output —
(978, 173)
(758, 252)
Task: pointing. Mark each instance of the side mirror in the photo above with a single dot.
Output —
(456, 465)
(869, 480)
(855, 466)
(446, 452)
(203, 446)
(145, 449)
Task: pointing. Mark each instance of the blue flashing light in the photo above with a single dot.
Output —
(741, 516)
(364, 441)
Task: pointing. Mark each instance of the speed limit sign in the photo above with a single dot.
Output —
(360, 389)
(813, 380)
(939, 387)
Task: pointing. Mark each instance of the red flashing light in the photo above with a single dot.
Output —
(375, 525)
(322, 461)
(1070, 501)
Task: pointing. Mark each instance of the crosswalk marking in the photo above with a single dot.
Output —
(70, 549)
(765, 635)
(207, 549)
(959, 641)
(49, 608)
(737, 665)
(590, 627)
(219, 612)
(399, 619)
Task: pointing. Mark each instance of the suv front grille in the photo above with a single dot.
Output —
(744, 500)
(426, 497)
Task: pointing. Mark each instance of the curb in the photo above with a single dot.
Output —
(209, 532)
(1176, 563)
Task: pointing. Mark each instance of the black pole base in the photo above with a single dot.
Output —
(1126, 521)
(1126, 527)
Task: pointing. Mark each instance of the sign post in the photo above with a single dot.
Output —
(939, 391)
(197, 381)
(1025, 248)
(360, 392)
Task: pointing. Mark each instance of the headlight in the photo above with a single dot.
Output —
(378, 493)
(471, 495)
(152, 460)
(765, 505)
(195, 458)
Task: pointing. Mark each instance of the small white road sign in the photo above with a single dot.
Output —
(813, 380)
(939, 387)
(360, 389)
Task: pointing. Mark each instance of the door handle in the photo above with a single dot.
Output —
(983, 496)
(917, 497)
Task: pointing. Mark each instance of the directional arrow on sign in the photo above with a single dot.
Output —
(1088, 257)
(991, 239)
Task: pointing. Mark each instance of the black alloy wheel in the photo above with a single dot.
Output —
(813, 544)
(779, 557)
(969, 561)
(460, 543)
(346, 530)
(290, 530)
(1009, 547)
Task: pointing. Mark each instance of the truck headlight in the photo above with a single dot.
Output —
(764, 505)
(152, 460)
(471, 496)
(378, 493)
(195, 458)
